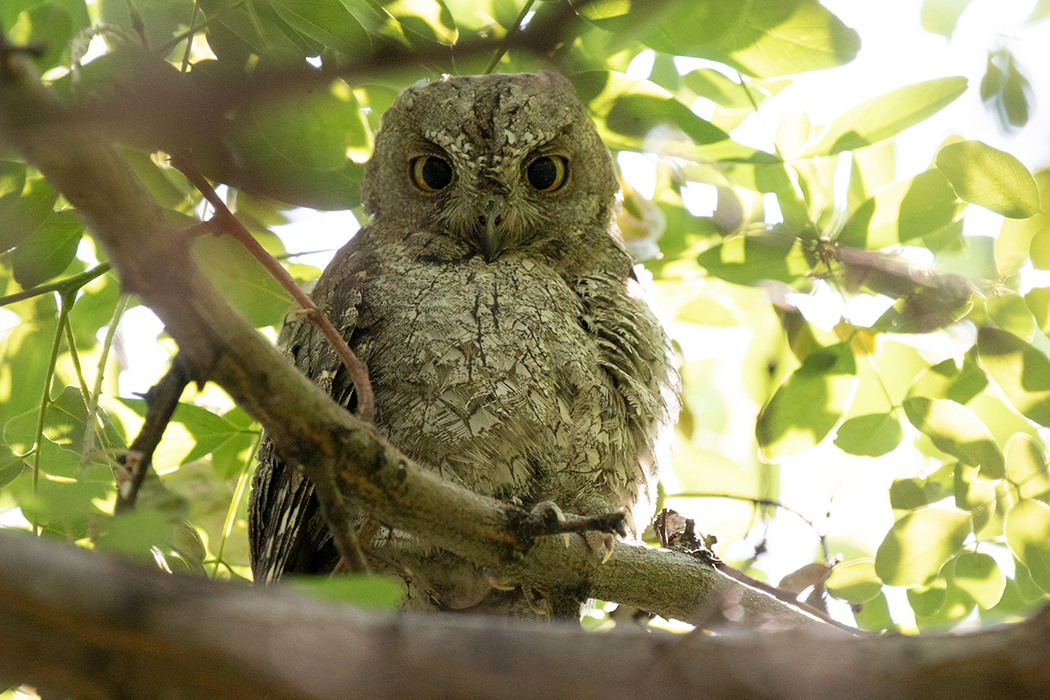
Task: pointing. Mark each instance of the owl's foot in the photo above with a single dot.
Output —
(547, 518)
(603, 542)
(599, 531)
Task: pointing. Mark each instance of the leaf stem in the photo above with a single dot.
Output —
(69, 284)
(96, 392)
(45, 401)
(235, 503)
(516, 27)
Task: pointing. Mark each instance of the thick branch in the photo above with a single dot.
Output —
(91, 627)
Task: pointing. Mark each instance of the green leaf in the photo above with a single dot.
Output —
(990, 178)
(875, 615)
(51, 26)
(49, 250)
(208, 430)
(1020, 370)
(918, 544)
(869, 435)
(64, 424)
(855, 582)
(369, 592)
(1013, 102)
(1038, 303)
(887, 115)
(784, 37)
(927, 600)
(979, 576)
(160, 19)
(293, 150)
(956, 430)
(946, 381)
(1026, 467)
(916, 207)
(955, 606)
(671, 27)
(242, 279)
(750, 260)
(426, 20)
(1040, 12)
(808, 405)
(628, 110)
(135, 534)
(325, 21)
(709, 83)
(972, 493)
(1027, 531)
(873, 168)
(907, 494)
(941, 16)
(1010, 313)
(61, 506)
(23, 212)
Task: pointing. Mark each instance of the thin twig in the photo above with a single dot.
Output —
(65, 285)
(760, 502)
(161, 400)
(230, 224)
(514, 29)
(96, 392)
(45, 400)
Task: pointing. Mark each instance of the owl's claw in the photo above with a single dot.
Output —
(601, 541)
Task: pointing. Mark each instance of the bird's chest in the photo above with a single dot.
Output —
(485, 364)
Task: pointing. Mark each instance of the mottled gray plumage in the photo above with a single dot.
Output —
(506, 342)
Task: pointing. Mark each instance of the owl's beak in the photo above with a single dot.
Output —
(491, 232)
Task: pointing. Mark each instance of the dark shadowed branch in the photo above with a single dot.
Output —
(88, 626)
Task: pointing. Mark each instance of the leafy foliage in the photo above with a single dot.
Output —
(946, 389)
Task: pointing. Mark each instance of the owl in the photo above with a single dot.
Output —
(500, 318)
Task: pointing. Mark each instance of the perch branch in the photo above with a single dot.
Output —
(80, 624)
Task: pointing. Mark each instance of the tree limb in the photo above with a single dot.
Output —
(85, 625)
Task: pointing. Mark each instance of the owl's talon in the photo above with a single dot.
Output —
(601, 541)
(500, 584)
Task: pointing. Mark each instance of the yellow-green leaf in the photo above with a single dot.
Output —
(855, 581)
(869, 435)
(1021, 371)
(918, 544)
(919, 206)
(886, 115)
(977, 574)
(1026, 467)
(1028, 534)
(957, 430)
(809, 404)
(991, 178)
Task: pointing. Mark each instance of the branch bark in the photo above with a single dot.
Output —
(80, 624)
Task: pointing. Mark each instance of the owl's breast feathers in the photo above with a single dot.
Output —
(506, 376)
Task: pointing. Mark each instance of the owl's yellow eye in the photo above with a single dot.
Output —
(431, 173)
(546, 173)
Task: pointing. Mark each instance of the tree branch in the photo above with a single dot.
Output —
(161, 402)
(81, 624)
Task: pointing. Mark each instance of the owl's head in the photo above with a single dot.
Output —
(492, 162)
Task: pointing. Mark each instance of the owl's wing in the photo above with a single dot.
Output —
(286, 532)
